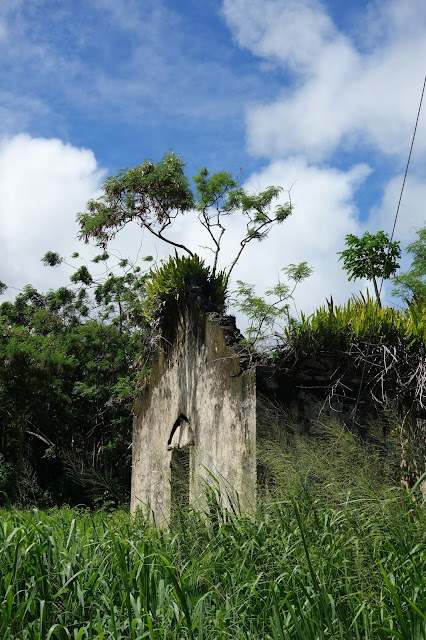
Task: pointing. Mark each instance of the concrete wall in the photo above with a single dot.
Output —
(199, 400)
(206, 407)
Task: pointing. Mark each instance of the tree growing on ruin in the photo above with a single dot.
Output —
(154, 194)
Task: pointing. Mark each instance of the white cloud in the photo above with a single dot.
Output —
(343, 95)
(353, 92)
(43, 183)
(291, 33)
(412, 212)
(323, 215)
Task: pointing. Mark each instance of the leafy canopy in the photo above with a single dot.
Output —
(372, 256)
(154, 194)
(412, 285)
(71, 364)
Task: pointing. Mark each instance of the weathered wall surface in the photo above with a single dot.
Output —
(201, 401)
(207, 406)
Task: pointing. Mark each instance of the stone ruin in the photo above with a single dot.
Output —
(200, 418)
(196, 421)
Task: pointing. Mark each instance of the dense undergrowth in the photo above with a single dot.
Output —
(335, 327)
(321, 558)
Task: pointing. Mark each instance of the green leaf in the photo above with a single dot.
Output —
(52, 259)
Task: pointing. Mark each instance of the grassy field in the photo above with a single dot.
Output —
(317, 562)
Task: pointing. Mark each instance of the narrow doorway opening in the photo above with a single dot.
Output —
(180, 466)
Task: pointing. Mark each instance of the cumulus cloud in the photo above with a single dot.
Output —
(356, 92)
(43, 183)
(346, 93)
(291, 33)
(324, 213)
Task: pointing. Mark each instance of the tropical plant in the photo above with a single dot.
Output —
(154, 194)
(67, 385)
(371, 257)
(264, 314)
(360, 353)
(175, 278)
(332, 328)
(412, 285)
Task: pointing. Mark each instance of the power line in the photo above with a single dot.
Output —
(393, 231)
(406, 172)
(408, 161)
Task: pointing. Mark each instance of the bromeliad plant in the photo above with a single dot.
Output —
(173, 280)
(333, 328)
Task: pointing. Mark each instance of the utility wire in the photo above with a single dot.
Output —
(406, 169)
(393, 231)
(409, 158)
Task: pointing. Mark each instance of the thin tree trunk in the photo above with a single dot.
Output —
(376, 289)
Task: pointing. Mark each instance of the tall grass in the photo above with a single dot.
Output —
(308, 565)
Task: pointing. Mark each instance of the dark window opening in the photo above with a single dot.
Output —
(179, 466)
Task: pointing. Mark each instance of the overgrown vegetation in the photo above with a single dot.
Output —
(67, 385)
(335, 549)
(73, 359)
(360, 361)
(332, 328)
(178, 278)
(317, 560)
(153, 195)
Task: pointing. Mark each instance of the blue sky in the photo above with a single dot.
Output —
(319, 97)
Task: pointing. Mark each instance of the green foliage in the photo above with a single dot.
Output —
(412, 285)
(298, 569)
(371, 257)
(331, 460)
(172, 280)
(153, 195)
(333, 328)
(212, 190)
(147, 193)
(82, 275)
(264, 315)
(102, 257)
(219, 196)
(52, 259)
(67, 384)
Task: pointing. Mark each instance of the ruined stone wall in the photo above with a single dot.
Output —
(208, 405)
(199, 410)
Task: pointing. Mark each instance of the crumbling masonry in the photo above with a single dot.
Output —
(203, 413)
